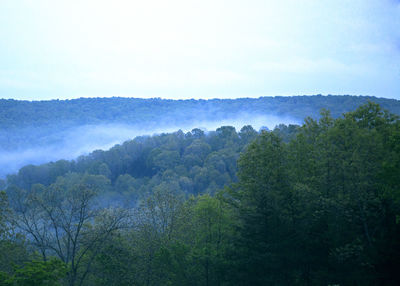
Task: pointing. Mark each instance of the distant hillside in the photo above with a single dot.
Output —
(65, 113)
(42, 131)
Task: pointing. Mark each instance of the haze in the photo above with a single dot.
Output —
(198, 49)
(87, 138)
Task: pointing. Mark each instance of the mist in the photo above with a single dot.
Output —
(82, 140)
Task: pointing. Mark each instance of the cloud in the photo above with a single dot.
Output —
(179, 48)
(303, 65)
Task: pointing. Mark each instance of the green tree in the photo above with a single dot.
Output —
(322, 209)
(65, 221)
(12, 244)
(40, 273)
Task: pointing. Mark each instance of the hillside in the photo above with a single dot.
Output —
(316, 204)
(42, 131)
(64, 113)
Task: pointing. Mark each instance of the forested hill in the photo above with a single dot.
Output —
(19, 114)
(42, 131)
(190, 163)
(317, 204)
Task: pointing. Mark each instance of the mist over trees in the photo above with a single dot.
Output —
(316, 204)
(76, 112)
(192, 162)
(42, 131)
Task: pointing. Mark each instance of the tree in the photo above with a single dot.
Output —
(12, 244)
(39, 273)
(117, 263)
(213, 230)
(322, 209)
(262, 190)
(247, 134)
(64, 221)
(157, 225)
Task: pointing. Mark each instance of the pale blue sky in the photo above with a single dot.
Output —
(198, 49)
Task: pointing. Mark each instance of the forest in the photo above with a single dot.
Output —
(44, 117)
(310, 204)
(36, 132)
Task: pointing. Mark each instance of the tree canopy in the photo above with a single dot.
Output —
(317, 204)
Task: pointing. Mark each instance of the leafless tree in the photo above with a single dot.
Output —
(68, 223)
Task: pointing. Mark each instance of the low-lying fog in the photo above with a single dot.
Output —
(85, 139)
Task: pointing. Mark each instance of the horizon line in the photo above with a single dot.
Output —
(193, 98)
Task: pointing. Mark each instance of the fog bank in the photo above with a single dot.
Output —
(84, 139)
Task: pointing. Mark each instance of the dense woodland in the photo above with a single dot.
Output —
(137, 110)
(36, 132)
(317, 204)
(31, 123)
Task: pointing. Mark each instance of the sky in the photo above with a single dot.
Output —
(182, 49)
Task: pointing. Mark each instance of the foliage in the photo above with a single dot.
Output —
(38, 273)
(321, 209)
(191, 163)
(26, 124)
(317, 204)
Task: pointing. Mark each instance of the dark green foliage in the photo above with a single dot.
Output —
(115, 265)
(322, 209)
(312, 205)
(191, 163)
(80, 111)
(37, 273)
(38, 123)
(12, 244)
